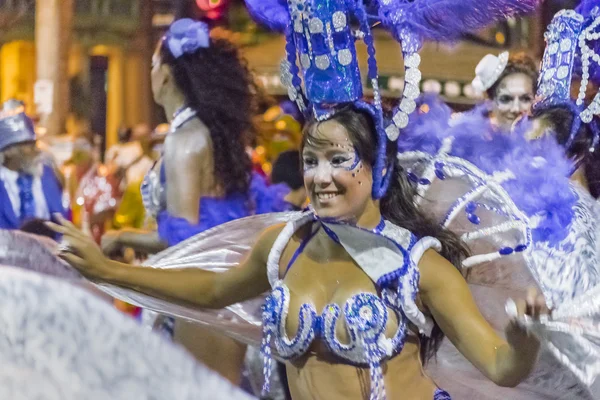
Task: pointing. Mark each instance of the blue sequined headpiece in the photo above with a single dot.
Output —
(321, 69)
(572, 41)
(15, 129)
(320, 35)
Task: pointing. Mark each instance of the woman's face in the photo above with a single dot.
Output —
(514, 97)
(337, 181)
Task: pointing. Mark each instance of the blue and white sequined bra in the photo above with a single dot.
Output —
(389, 255)
(153, 191)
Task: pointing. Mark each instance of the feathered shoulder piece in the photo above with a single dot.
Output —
(535, 175)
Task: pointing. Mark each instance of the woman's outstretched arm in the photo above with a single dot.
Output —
(189, 286)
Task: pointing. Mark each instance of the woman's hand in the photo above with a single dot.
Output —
(111, 243)
(80, 250)
(533, 306)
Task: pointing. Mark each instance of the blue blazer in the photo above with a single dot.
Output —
(52, 192)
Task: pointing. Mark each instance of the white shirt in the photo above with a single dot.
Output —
(9, 178)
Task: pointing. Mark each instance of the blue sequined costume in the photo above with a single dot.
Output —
(214, 211)
(366, 315)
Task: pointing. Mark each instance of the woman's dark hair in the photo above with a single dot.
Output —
(286, 169)
(397, 205)
(519, 63)
(217, 84)
(561, 118)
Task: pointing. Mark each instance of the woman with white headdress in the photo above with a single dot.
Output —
(507, 82)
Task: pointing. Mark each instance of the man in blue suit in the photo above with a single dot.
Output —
(28, 188)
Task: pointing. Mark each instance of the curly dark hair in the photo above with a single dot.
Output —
(397, 205)
(218, 85)
(519, 63)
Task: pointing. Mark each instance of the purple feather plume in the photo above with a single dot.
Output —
(426, 125)
(541, 186)
(444, 20)
(273, 14)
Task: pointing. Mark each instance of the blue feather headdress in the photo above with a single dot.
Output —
(321, 69)
(572, 51)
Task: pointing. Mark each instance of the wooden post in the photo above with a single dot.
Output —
(53, 25)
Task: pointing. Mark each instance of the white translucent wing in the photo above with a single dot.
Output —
(221, 247)
(217, 249)
(34, 253)
(572, 335)
(494, 230)
(59, 342)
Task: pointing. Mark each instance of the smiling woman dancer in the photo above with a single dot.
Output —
(363, 254)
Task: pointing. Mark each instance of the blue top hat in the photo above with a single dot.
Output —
(15, 129)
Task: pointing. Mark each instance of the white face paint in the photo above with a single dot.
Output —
(514, 97)
(338, 184)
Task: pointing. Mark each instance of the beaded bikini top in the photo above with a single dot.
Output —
(389, 255)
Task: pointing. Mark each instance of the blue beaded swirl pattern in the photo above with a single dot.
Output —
(275, 313)
(366, 318)
(365, 313)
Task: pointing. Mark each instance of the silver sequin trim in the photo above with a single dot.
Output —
(392, 132)
(413, 75)
(322, 62)
(400, 119)
(411, 91)
(345, 57)
(315, 25)
(339, 20)
(413, 60)
(305, 60)
(408, 105)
